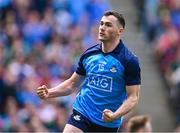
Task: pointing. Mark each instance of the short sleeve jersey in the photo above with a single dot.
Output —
(106, 75)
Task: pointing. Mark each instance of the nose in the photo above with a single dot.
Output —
(101, 28)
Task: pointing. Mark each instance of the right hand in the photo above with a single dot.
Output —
(42, 92)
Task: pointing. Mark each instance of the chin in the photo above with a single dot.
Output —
(101, 39)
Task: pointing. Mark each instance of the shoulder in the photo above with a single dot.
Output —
(91, 51)
(130, 57)
(125, 56)
(132, 64)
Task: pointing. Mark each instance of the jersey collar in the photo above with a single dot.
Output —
(116, 50)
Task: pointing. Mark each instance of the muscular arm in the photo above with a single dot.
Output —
(63, 89)
(66, 87)
(131, 101)
(128, 105)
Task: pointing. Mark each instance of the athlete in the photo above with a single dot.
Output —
(111, 85)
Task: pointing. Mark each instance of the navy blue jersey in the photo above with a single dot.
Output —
(106, 75)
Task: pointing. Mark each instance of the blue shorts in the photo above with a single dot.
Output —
(81, 122)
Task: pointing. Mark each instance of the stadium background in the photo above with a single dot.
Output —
(41, 41)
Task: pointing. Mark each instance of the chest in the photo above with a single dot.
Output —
(103, 65)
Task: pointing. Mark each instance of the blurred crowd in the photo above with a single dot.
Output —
(40, 43)
(160, 21)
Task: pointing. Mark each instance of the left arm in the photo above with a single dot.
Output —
(128, 105)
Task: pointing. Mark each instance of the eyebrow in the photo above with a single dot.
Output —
(105, 22)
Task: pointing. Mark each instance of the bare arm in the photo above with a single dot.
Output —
(132, 100)
(63, 89)
(128, 105)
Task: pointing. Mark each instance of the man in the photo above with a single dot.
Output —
(111, 85)
(139, 124)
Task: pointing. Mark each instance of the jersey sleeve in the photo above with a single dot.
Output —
(80, 68)
(133, 72)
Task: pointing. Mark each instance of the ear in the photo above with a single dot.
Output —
(121, 30)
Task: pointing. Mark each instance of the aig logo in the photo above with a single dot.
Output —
(100, 82)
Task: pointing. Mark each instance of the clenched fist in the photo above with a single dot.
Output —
(42, 92)
(108, 115)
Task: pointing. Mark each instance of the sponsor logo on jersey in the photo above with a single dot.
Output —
(100, 82)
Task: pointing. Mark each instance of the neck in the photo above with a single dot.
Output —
(109, 46)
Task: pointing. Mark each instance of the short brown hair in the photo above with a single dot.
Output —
(119, 17)
(137, 122)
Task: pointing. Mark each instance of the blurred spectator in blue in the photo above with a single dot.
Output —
(39, 42)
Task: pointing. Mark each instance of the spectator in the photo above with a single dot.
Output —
(40, 40)
(141, 123)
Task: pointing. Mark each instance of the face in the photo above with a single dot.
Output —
(109, 29)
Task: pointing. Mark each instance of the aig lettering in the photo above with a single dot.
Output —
(100, 82)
